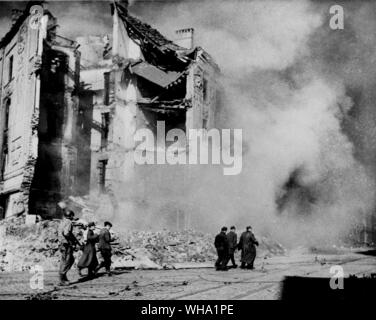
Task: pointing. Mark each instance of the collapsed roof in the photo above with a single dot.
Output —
(165, 63)
(156, 49)
(154, 74)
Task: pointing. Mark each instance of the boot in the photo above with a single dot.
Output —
(63, 280)
(91, 274)
(242, 265)
(95, 271)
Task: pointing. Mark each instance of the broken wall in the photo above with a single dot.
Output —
(145, 195)
(202, 90)
(21, 52)
(58, 131)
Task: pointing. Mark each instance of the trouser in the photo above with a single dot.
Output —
(67, 260)
(252, 260)
(222, 260)
(232, 258)
(106, 262)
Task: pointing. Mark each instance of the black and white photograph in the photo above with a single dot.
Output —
(195, 150)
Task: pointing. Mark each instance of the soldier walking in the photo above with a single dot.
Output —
(221, 244)
(89, 255)
(104, 247)
(67, 244)
(233, 243)
(247, 245)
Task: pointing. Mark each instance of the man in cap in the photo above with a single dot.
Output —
(232, 245)
(221, 244)
(67, 244)
(104, 247)
(89, 255)
(247, 245)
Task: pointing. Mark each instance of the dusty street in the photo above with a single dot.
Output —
(200, 283)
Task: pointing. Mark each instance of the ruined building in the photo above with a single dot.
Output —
(38, 105)
(70, 109)
(151, 79)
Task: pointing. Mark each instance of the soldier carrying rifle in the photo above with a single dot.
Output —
(68, 241)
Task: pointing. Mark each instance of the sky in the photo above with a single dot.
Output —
(93, 11)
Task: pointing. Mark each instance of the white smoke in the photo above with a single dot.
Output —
(291, 112)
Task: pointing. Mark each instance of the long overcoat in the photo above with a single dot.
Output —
(89, 256)
(247, 244)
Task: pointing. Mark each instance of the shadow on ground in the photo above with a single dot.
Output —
(371, 252)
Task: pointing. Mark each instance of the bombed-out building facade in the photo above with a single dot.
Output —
(38, 98)
(70, 108)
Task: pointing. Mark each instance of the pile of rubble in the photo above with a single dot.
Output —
(165, 248)
(22, 247)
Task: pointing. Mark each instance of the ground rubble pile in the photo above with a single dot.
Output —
(22, 247)
(165, 248)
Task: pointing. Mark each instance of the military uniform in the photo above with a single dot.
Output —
(67, 243)
(104, 247)
(221, 244)
(247, 245)
(232, 245)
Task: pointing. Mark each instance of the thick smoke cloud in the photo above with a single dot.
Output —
(82, 18)
(289, 83)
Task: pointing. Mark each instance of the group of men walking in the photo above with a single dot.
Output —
(68, 243)
(227, 243)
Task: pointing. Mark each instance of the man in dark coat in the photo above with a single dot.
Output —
(67, 244)
(221, 244)
(247, 245)
(89, 255)
(104, 247)
(232, 245)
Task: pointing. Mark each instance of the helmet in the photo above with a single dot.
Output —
(68, 213)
